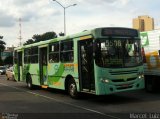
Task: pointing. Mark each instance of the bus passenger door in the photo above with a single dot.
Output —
(43, 65)
(20, 66)
(86, 65)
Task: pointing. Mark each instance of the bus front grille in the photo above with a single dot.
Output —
(118, 80)
(123, 80)
(124, 86)
(123, 72)
(120, 88)
(131, 79)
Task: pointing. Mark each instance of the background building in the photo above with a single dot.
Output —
(7, 52)
(143, 23)
(7, 56)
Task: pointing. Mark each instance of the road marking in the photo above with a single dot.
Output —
(77, 106)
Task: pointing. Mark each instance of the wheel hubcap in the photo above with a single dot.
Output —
(72, 89)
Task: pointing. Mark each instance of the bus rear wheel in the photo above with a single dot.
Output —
(72, 89)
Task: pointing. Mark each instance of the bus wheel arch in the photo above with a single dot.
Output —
(71, 87)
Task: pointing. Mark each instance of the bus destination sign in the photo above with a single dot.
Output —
(119, 32)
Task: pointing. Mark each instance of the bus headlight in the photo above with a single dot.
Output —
(104, 80)
(140, 75)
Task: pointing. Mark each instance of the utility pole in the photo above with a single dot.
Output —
(64, 12)
(20, 32)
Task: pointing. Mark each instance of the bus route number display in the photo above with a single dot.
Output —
(116, 43)
(119, 32)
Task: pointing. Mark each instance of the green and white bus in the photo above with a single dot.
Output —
(100, 61)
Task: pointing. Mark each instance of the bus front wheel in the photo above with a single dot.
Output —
(72, 89)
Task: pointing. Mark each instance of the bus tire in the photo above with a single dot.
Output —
(29, 82)
(72, 89)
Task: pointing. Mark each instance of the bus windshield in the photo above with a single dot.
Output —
(118, 53)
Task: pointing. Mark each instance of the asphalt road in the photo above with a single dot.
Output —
(19, 102)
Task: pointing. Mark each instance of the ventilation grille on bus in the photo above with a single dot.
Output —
(120, 88)
(124, 86)
(122, 80)
(123, 72)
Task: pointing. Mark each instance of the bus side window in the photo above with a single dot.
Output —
(27, 55)
(15, 57)
(67, 51)
(54, 52)
(34, 55)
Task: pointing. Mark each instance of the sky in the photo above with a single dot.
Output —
(41, 16)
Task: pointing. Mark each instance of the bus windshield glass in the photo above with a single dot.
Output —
(118, 53)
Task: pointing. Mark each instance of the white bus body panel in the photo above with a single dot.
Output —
(151, 45)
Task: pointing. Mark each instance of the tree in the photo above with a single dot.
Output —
(61, 34)
(48, 35)
(45, 36)
(42, 37)
(29, 41)
(2, 48)
(37, 38)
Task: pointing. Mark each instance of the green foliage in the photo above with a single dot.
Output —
(42, 37)
(29, 41)
(2, 48)
(37, 37)
(61, 34)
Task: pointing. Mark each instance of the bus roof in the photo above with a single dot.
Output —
(83, 33)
